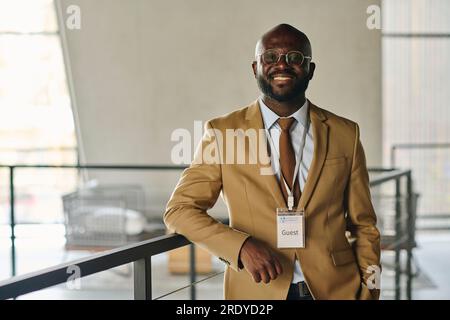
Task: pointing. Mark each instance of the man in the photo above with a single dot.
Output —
(317, 164)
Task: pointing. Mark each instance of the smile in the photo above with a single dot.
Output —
(282, 77)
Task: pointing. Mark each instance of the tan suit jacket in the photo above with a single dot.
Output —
(336, 195)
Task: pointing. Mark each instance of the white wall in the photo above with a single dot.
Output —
(142, 68)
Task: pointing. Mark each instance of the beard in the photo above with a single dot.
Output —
(299, 88)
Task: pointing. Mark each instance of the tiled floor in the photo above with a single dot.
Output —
(42, 249)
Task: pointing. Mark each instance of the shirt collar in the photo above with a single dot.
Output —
(270, 117)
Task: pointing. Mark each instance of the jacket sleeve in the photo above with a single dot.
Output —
(362, 220)
(196, 192)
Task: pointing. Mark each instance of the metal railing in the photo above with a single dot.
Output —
(398, 146)
(434, 206)
(13, 168)
(140, 254)
(404, 235)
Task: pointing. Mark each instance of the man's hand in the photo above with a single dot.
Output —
(259, 261)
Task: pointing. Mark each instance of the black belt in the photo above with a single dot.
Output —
(299, 290)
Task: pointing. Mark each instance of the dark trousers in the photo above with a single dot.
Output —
(299, 291)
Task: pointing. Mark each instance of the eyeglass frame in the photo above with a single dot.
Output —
(285, 57)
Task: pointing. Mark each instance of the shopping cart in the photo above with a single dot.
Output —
(103, 216)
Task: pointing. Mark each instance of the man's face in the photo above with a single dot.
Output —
(281, 81)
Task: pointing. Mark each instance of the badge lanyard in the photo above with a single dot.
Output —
(298, 161)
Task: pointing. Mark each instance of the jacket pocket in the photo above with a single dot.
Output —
(342, 257)
(334, 161)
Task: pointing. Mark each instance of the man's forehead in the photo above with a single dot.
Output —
(283, 41)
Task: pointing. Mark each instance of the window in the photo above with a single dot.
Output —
(36, 122)
(416, 51)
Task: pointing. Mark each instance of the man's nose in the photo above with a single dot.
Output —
(281, 65)
(282, 62)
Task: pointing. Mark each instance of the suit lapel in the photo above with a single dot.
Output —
(265, 172)
(320, 137)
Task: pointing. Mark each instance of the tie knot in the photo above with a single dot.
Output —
(285, 123)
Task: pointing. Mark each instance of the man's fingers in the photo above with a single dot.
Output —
(261, 263)
(264, 276)
(271, 270)
(278, 266)
(256, 276)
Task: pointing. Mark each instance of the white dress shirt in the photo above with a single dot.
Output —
(270, 123)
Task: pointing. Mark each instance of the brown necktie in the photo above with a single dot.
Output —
(287, 159)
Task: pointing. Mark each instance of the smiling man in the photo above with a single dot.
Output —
(288, 233)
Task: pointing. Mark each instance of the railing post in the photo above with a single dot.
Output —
(410, 230)
(192, 270)
(393, 148)
(398, 236)
(142, 270)
(12, 220)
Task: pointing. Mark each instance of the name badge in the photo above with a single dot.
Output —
(290, 228)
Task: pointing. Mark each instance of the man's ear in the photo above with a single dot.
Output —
(254, 65)
(312, 67)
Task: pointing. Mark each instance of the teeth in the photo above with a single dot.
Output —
(282, 78)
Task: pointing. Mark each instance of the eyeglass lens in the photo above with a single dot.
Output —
(292, 58)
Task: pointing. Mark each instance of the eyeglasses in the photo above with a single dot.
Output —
(293, 58)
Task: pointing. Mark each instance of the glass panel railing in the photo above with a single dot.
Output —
(171, 275)
(112, 284)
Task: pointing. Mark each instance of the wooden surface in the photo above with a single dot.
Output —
(179, 260)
